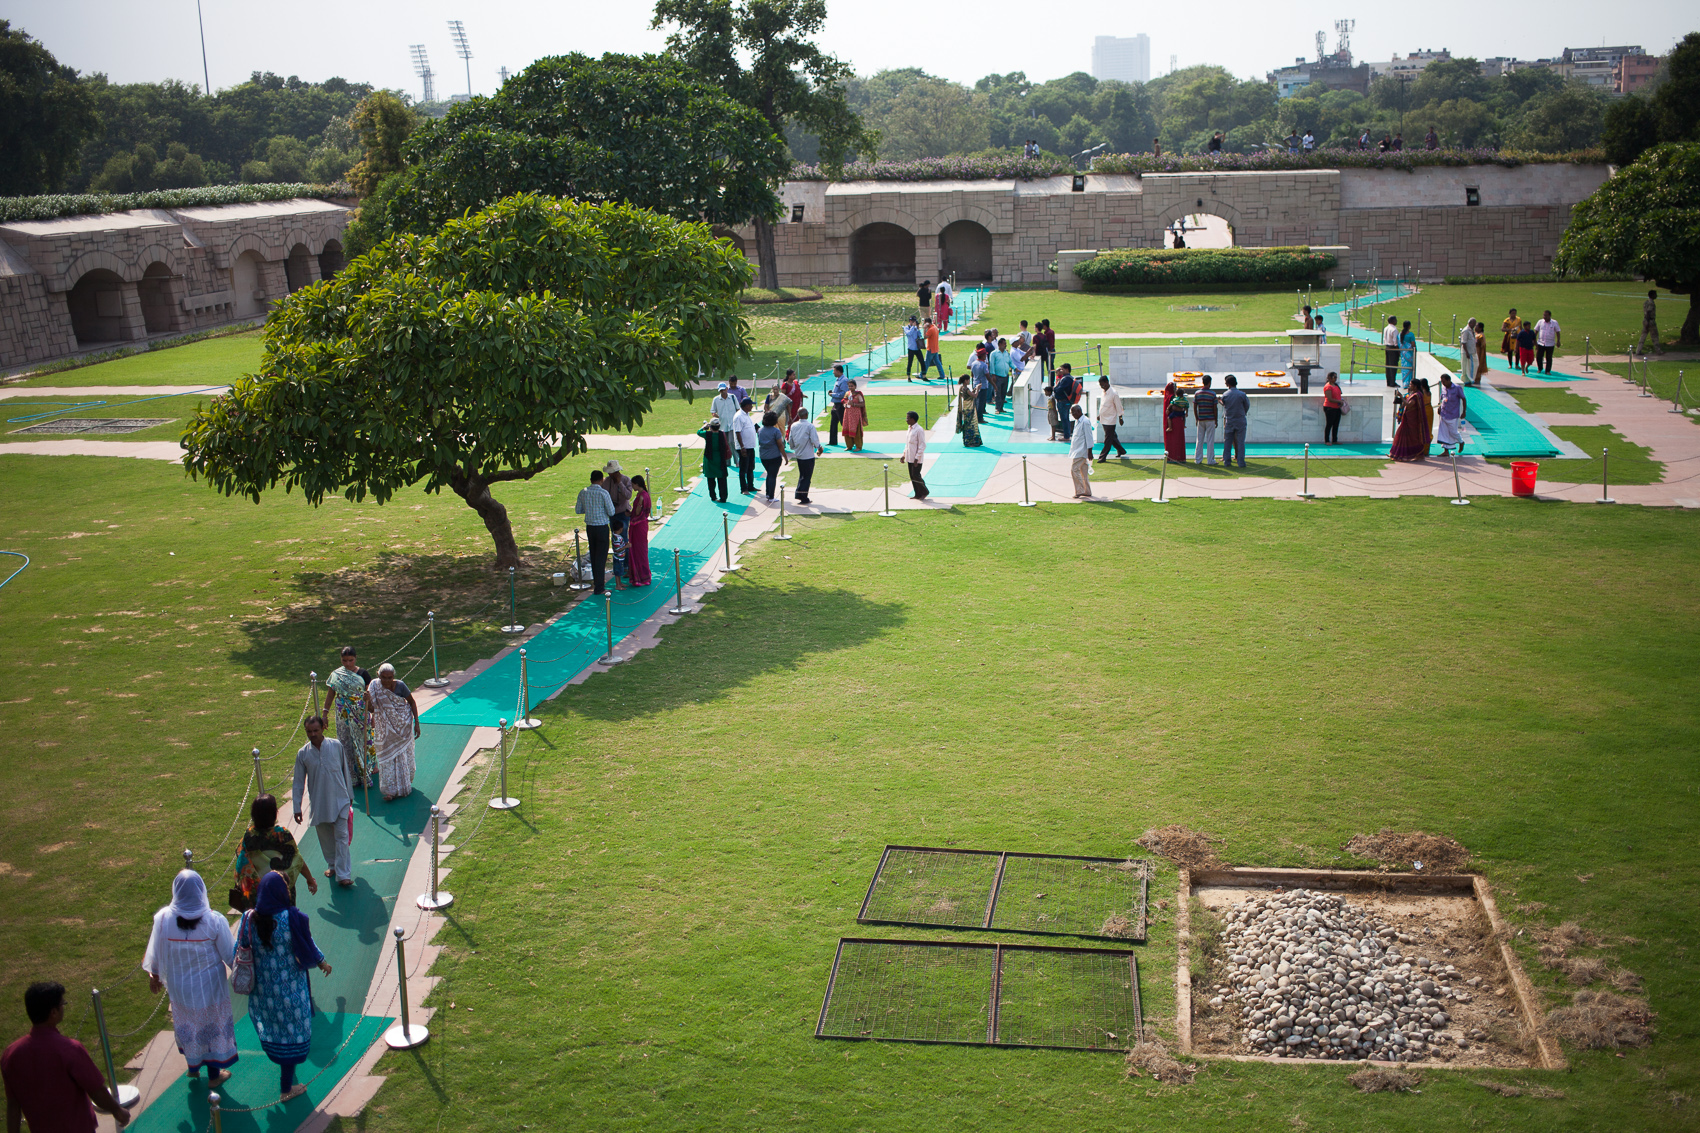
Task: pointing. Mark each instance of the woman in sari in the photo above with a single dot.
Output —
(1174, 423)
(794, 391)
(1411, 439)
(941, 311)
(395, 725)
(281, 1004)
(267, 846)
(187, 955)
(965, 410)
(1407, 354)
(855, 418)
(637, 533)
(345, 690)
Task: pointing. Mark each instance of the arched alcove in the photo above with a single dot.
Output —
(1200, 230)
(882, 253)
(97, 307)
(245, 282)
(721, 232)
(298, 268)
(965, 248)
(154, 290)
(331, 260)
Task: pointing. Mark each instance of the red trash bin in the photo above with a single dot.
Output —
(1523, 477)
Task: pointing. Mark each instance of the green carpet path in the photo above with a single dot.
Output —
(349, 927)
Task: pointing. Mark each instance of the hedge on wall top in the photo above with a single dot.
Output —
(1145, 266)
(93, 204)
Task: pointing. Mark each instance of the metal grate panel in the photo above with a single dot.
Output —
(62, 425)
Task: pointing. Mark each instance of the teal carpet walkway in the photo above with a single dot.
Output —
(349, 927)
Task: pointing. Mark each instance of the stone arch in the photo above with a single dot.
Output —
(159, 313)
(300, 268)
(245, 282)
(881, 214)
(96, 301)
(331, 259)
(984, 217)
(298, 236)
(100, 261)
(1212, 206)
(245, 243)
(157, 254)
(882, 252)
(965, 250)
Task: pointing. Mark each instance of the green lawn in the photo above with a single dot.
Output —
(1551, 399)
(1629, 463)
(1609, 313)
(176, 411)
(1661, 377)
(209, 362)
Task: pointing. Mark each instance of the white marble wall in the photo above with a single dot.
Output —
(1152, 365)
(1274, 418)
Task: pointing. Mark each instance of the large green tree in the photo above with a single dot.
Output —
(1645, 220)
(762, 53)
(647, 131)
(482, 354)
(45, 114)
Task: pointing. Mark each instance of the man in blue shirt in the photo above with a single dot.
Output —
(1234, 406)
(1065, 390)
(597, 507)
(913, 343)
(980, 382)
(1001, 363)
(840, 390)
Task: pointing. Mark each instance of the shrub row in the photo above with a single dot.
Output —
(1157, 268)
(1457, 280)
(87, 204)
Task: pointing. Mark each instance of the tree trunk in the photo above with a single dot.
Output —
(477, 495)
(1691, 325)
(767, 259)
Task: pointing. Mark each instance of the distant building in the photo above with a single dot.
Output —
(1411, 64)
(1593, 65)
(1123, 59)
(1634, 72)
(1333, 72)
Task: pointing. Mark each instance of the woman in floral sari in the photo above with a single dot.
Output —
(855, 419)
(395, 725)
(266, 846)
(345, 690)
(965, 407)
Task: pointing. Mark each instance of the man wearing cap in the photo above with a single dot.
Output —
(744, 431)
(724, 406)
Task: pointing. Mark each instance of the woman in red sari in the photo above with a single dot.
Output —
(637, 534)
(941, 311)
(1412, 438)
(793, 389)
(1174, 426)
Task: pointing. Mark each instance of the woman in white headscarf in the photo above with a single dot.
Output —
(188, 954)
(395, 725)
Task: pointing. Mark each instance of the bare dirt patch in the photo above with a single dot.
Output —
(1601, 1020)
(1376, 1080)
(1188, 849)
(1119, 927)
(1520, 1090)
(1154, 1059)
(1394, 850)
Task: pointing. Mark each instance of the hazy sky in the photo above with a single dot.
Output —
(368, 39)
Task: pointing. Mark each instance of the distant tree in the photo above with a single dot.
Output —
(1446, 79)
(1459, 122)
(1677, 99)
(142, 170)
(1203, 99)
(382, 123)
(1569, 118)
(1121, 117)
(1631, 129)
(762, 53)
(1645, 220)
(479, 355)
(934, 118)
(45, 114)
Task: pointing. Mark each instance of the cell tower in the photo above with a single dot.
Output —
(457, 32)
(503, 71)
(1173, 59)
(422, 68)
(1321, 45)
(1344, 47)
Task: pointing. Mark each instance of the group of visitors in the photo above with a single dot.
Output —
(1525, 343)
(617, 509)
(1209, 410)
(377, 721)
(935, 304)
(1417, 418)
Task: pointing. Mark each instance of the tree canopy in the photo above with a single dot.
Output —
(644, 130)
(1645, 220)
(481, 354)
(1668, 111)
(45, 114)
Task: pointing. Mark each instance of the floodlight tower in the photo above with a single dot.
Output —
(422, 68)
(1344, 46)
(457, 32)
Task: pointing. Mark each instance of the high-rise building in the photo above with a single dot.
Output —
(1125, 59)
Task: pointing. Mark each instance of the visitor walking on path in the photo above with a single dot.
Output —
(1080, 453)
(981, 373)
(1333, 405)
(1066, 391)
(1174, 423)
(395, 725)
(345, 691)
(840, 388)
(914, 343)
(724, 407)
(1467, 351)
(1548, 336)
(1204, 406)
(1407, 354)
(322, 779)
(1481, 350)
(855, 419)
(51, 1082)
(1390, 343)
(771, 443)
(637, 532)
(281, 1004)
(597, 507)
(924, 297)
(805, 447)
(965, 422)
(934, 358)
(1508, 329)
(189, 952)
(1451, 424)
(1235, 404)
(716, 458)
(1047, 341)
(1525, 346)
(1001, 363)
(914, 452)
(1649, 324)
(793, 390)
(744, 433)
(1110, 417)
(941, 308)
(1412, 438)
(266, 846)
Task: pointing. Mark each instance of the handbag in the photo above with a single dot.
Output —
(242, 972)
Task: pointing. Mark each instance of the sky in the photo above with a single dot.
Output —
(369, 40)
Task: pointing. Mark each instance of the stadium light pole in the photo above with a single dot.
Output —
(206, 75)
(457, 32)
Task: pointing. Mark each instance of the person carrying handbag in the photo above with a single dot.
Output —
(280, 1004)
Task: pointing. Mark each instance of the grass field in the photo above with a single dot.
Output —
(1629, 463)
(211, 361)
(1609, 313)
(175, 410)
(1662, 378)
(1551, 400)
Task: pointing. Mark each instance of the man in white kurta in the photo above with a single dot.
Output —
(319, 767)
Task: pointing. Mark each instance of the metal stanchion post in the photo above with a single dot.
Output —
(1605, 488)
(726, 540)
(1676, 401)
(1162, 481)
(887, 512)
(504, 802)
(436, 679)
(577, 582)
(678, 586)
(1307, 494)
(407, 1034)
(1026, 500)
(1457, 488)
(526, 721)
(681, 486)
(1588, 354)
(513, 625)
(1646, 374)
(434, 899)
(126, 1095)
(782, 536)
(259, 774)
(608, 611)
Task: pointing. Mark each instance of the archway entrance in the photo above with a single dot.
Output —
(882, 253)
(97, 307)
(245, 282)
(966, 249)
(1199, 230)
(298, 268)
(331, 260)
(155, 293)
